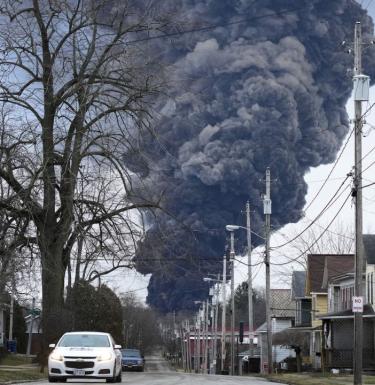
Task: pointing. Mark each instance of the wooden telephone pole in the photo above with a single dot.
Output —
(267, 213)
(361, 83)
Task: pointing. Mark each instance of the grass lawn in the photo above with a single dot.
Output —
(15, 359)
(317, 379)
(21, 375)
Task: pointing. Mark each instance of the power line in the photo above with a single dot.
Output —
(215, 26)
(317, 240)
(325, 208)
(369, 3)
(331, 171)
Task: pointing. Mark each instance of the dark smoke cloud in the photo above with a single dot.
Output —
(268, 92)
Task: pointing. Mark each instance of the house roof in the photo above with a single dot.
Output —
(322, 267)
(369, 247)
(298, 284)
(282, 304)
(262, 328)
(342, 277)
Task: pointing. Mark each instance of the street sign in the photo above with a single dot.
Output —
(357, 304)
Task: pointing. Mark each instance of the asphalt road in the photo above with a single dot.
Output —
(158, 372)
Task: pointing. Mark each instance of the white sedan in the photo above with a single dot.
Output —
(85, 355)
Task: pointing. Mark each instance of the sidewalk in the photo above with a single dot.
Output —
(317, 379)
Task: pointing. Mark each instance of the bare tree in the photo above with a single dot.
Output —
(140, 325)
(13, 243)
(317, 239)
(77, 96)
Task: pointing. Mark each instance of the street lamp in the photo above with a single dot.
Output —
(231, 229)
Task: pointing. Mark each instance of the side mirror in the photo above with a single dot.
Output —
(118, 346)
(52, 346)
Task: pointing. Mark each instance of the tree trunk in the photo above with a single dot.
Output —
(53, 273)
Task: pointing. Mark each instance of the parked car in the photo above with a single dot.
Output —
(85, 355)
(132, 359)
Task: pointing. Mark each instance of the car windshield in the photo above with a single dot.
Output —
(130, 353)
(85, 340)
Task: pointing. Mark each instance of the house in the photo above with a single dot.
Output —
(338, 322)
(321, 268)
(298, 337)
(283, 317)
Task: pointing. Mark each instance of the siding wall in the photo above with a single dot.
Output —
(319, 306)
(279, 352)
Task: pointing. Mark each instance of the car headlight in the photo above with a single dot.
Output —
(107, 356)
(56, 356)
(140, 361)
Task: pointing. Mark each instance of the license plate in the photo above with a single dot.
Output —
(79, 372)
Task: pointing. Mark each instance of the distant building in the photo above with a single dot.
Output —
(283, 317)
(36, 341)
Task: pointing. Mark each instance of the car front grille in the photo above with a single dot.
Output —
(130, 362)
(79, 364)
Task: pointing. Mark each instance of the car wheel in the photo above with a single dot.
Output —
(52, 379)
(119, 377)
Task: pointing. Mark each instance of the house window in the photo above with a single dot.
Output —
(344, 295)
(368, 287)
(313, 307)
(298, 312)
(336, 298)
(372, 288)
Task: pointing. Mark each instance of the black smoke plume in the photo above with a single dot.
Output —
(266, 88)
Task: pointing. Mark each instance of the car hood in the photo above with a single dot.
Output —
(81, 351)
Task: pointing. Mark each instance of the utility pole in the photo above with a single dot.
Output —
(31, 327)
(183, 350)
(223, 314)
(360, 94)
(232, 255)
(188, 348)
(196, 365)
(249, 276)
(199, 340)
(267, 212)
(205, 304)
(11, 316)
(217, 288)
